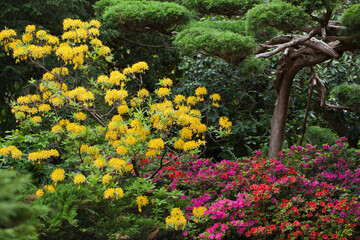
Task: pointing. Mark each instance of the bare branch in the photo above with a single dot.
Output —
(323, 99)
(295, 41)
(321, 46)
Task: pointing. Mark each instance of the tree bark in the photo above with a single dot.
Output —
(279, 117)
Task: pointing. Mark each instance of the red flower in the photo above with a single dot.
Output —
(297, 223)
(322, 204)
(335, 236)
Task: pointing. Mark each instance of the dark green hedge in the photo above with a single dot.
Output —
(143, 15)
(223, 7)
(277, 15)
(228, 45)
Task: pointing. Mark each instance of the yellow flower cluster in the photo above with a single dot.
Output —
(81, 94)
(42, 155)
(215, 98)
(72, 49)
(111, 193)
(75, 128)
(225, 124)
(114, 95)
(176, 218)
(117, 164)
(141, 201)
(116, 78)
(79, 178)
(49, 188)
(122, 109)
(99, 163)
(10, 150)
(139, 67)
(28, 99)
(153, 146)
(163, 92)
(58, 175)
(36, 119)
(166, 82)
(198, 212)
(106, 179)
(39, 192)
(80, 116)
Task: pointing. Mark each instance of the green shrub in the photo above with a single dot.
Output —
(319, 136)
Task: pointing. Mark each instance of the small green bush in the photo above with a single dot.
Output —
(319, 136)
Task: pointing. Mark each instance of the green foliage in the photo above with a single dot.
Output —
(223, 7)
(311, 6)
(263, 19)
(140, 15)
(238, 26)
(16, 14)
(319, 136)
(228, 45)
(64, 205)
(351, 20)
(246, 97)
(17, 220)
(347, 95)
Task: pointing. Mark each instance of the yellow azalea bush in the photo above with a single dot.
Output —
(97, 129)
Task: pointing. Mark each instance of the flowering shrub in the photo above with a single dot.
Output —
(84, 129)
(310, 193)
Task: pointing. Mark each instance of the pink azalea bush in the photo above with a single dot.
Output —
(309, 194)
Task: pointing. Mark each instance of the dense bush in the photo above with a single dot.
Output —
(310, 194)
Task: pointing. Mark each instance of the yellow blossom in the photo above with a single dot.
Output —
(114, 95)
(215, 97)
(56, 129)
(121, 150)
(109, 193)
(179, 98)
(49, 188)
(117, 163)
(123, 108)
(79, 178)
(224, 122)
(200, 91)
(179, 144)
(141, 201)
(176, 218)
(142, 93)
(10, 150)
(58, 175)
(80, 116)
(156, 143)
(140, 67)
(39, 192)
(198, 212)
(106, 179)
(166, 82)
(119, 192)
(42, 155)
(44, 108)
(36, 119)
(191, 100)
(99, 163)
(162, 92)
(30, 28)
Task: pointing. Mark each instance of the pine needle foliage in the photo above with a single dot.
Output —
(17, 219)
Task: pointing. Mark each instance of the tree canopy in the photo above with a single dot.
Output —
(304, 33)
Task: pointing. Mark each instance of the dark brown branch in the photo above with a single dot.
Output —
(312, 82)
(294, 42)
(323, 99)
(321, 46)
